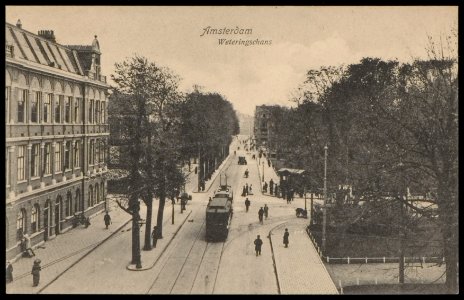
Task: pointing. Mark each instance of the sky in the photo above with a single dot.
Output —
(295, 40)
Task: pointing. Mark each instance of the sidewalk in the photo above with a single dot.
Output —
(299, 268)
(62, 252)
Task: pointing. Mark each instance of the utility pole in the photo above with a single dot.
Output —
(324, 207)
(401, 228)
(173, 202)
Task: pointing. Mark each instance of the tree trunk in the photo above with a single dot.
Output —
(159, 220)
(136, 259)
(147, 246)
(449, 220)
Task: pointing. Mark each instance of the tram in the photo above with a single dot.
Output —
(219, 213)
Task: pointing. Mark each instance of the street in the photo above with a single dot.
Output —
(190, 265)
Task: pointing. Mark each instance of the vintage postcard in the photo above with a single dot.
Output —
(231, 150)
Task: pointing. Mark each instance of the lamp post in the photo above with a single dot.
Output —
(324, 208)
(263, 170)
(173, 202)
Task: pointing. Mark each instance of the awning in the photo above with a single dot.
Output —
(288, 171)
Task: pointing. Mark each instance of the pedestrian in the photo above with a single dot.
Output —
(36, 272)
(87, 222)
(271, 186)
(269, 162)
(244, 191)
(250, 190)
(154, 235)
(9, 272)
(260, 215)
(258, 244)
(107, 219)
(276, 191)
(265, 187)
(246, 188)
(26, 246)
(286, 235)
(266, 211)
(247, 204)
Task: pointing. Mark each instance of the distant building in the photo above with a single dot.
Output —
(56, 132)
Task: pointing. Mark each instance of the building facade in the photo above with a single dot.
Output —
(56, 134)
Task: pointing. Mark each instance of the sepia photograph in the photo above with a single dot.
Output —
(240, 150)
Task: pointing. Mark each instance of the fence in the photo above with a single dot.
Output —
(360, 260)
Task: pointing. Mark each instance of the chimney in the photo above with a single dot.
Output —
(18, 24)
(48, 34)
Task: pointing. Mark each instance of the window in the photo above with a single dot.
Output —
(90, 199)
(103, 112)
(58, 109)
(97, 151)
(22, 106)
(91, 111)
(97, 194)
(35, 107)
(21, 169)
(35, 160)
(34, 218)
(21, 223)
(97, 111)
(76, 154)
(77, 201)
(102, 188)
(102, 152)
(69, 204)
(67, 109)
(58, 161)
(67, 155)
(91, 152)
(77, 110)
(47, 108)
(47, 159)
(7, 103)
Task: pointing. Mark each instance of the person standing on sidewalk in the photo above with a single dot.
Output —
(258, 244)
(36, 272)
(265, 187)
(247, 204)
(260, 215)
(271, 186)
(286, 235)
(9, 272)
(107, 219)
(266, 211)
(154, 235)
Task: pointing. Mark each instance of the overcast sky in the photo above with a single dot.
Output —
(302, 38)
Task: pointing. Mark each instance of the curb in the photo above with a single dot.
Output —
(81, 258)
(162, 250)
(273, 257)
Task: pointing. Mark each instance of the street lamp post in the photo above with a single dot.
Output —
(173, 202)
(401, 227)
(324, 208)
(263, 170)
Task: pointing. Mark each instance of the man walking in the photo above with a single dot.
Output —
(271, 186)
(260, 215)
(247, 204)
(266, 211)
(107, 219)
(258, 244)
(286, 235)
(36, 272)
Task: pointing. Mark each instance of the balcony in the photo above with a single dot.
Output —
(94, 76)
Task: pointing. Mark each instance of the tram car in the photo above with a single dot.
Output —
(218, 217)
